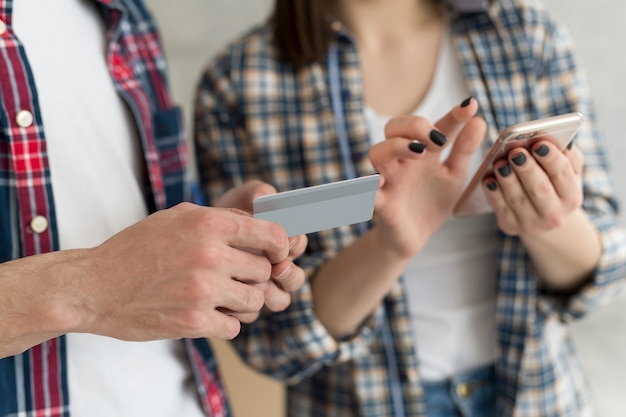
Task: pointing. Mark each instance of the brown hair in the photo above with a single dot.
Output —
(302, 30)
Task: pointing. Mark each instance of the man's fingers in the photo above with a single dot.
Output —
(241, 230)
(288, 276)
(242, 298)
(245, 318)
(276, 299)
(297, 246)
(221, 325)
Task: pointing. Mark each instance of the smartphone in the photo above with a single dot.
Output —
(311, 209)
(558, 129)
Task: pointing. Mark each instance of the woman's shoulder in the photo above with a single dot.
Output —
(522, 13)
(252, 59)
(254, 47)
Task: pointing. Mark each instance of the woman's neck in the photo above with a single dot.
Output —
(398, 43)
(377, 22)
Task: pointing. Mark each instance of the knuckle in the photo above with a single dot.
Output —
(278, 237)
(540, 191)
(217, 221)
(209, 256)
(417, 122)
(200, 292)
(254, 298)
(193, 322)
(185, 205)
(553, 219)
(264, 270)
(519, 201)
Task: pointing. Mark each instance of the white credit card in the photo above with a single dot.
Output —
(311, 209)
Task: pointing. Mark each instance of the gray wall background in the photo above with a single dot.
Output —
(193, 30)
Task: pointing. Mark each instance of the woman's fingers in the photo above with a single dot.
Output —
(466, 144)
(454, 121)
(418, 130)
(535, 189)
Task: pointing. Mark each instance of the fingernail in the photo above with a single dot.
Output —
(467, 101)
(505, 171)
(569, 145)
(292, 242)
(284, 274)
(492, 186)
(438, 138)
(417, 147)
(520, 159)
(543, 150)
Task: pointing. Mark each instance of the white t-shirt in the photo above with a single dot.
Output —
(451, 283)
(97, 178)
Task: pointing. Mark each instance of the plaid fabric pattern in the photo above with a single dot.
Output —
(258, 118)
(35, 383)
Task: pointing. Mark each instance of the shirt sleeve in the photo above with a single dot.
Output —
(562, 85)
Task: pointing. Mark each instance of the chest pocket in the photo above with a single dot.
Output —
(172, 149)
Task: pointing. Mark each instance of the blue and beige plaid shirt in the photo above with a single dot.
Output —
(257, 117)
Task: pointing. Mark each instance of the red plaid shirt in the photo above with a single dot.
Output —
(35, 383)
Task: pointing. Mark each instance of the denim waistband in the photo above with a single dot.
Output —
(470, 394)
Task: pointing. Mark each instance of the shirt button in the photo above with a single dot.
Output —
(463, 390)
(38, 224)
(24, 118)
(3, 28)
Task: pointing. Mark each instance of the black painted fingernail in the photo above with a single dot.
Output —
(492, 186)
(417, 147)
(505, 171)
(438, 138)
(520, 159)
(467, 101)
(569, 145)
(543, 150)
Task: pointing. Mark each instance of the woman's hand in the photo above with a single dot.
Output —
(538, 196)
(535, 191)
(418, 190)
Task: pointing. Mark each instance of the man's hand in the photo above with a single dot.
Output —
(182, 272)
(286, 276)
